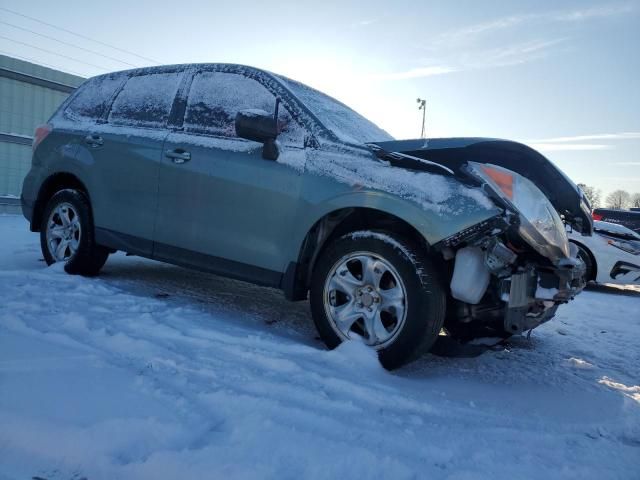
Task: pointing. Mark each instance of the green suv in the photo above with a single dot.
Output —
(247, 174)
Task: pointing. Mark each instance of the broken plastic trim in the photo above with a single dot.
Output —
(491, 227)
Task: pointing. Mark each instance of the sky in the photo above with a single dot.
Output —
(561, 76)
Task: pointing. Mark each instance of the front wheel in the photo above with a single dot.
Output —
(67, 235)
(583, 254)
(381, 289)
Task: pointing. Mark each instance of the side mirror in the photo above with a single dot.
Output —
(259, 126)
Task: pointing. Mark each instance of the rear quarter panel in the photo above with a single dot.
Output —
(55, 154)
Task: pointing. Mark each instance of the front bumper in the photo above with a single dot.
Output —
(626, 273)
(534, 294)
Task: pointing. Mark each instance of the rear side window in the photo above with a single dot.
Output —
(92, 99)
(145, 100)
(216, 97)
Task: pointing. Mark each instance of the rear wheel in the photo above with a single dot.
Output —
(380, 289)
(67, 234)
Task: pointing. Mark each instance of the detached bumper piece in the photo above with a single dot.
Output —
(534, 295)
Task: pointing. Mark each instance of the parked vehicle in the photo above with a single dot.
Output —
(248, 174)
(611, 254)
(626, 218)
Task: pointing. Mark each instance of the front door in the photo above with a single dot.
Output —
(221, 205)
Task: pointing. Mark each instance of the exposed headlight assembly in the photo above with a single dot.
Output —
(540, 224)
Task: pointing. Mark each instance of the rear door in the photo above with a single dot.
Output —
(222, 206)
(126, 152)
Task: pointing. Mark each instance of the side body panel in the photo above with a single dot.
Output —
(226, 202)
(229, 210)
(56, 153)
(336, 178)
(123, 180)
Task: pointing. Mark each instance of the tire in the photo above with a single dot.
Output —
(585, 256)
(74, 244)
(343, 306)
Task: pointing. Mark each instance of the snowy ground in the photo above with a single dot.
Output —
(155, 372)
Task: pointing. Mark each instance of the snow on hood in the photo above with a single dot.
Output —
(455, 153)
(355, 168)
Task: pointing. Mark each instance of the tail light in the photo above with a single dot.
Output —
(40, 134)
(596, 216)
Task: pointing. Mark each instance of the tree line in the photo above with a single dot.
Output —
(619, 199)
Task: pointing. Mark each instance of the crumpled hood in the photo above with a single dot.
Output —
(454, 153)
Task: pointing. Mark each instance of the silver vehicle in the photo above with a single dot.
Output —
(248, 174)
(611, 254)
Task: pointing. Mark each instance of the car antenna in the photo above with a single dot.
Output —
(422, 105)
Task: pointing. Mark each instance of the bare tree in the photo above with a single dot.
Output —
(635, 200)
(618, 200)
(592, 194)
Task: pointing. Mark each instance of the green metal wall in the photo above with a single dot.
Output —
(23, 106)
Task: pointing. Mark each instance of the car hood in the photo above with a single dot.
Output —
(615, 229)
(454, 153)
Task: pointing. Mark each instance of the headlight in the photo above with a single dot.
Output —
(626, 246)
(540, 224)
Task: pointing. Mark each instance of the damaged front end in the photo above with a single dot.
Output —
(509, 273)
(498, 292)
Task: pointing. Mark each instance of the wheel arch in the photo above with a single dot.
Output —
(334, 224)
(52, 184)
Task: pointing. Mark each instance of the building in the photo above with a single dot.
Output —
(29, 94)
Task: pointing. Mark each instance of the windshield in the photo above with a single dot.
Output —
(346, 124)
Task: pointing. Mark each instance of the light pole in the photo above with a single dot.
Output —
(422, 105)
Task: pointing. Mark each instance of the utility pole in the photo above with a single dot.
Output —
(422, 105)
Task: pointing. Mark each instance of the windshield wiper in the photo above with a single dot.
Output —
(402, 160)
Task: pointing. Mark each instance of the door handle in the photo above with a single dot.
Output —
(178, 155)
(94, 141)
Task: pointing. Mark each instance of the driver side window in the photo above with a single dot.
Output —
(216, 97)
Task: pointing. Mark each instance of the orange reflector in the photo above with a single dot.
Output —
(40, 134)
(502, 179)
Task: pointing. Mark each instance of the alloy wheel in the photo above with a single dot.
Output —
(364, 295)
(63, 232)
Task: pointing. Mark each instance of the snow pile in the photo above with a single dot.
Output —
(111, 378)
